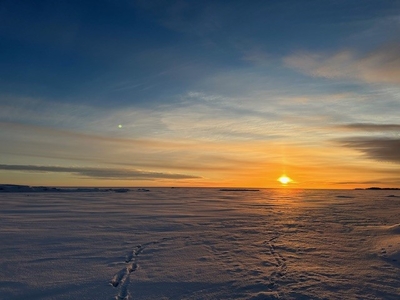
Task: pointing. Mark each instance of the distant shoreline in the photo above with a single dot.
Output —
(378, 188)
(239, 190)
(17, 188)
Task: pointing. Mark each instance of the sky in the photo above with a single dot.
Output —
(200, 93)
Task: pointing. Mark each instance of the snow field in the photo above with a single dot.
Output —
(200, 244)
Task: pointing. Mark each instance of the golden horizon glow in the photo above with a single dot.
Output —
(212, 163)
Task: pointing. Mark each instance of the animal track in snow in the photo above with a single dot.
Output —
(280, 263)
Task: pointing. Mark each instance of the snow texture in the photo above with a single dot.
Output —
(200, 244)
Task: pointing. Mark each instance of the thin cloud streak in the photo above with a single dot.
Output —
(100, 173)
(379, 66)
(370, 127)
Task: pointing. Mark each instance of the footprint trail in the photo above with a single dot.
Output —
(121, 279)
(280, 263)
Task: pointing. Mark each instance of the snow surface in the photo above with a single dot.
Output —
(200, 244)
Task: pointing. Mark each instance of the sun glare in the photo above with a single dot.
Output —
(284, 179)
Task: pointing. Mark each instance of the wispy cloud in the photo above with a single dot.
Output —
(379, 66)
(178, 155)
(100, 173)
(371, 127)
(381, 149)
(72, 116)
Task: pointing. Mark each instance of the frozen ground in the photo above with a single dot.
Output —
(200, 244)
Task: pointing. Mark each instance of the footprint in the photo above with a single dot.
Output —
(138, 250)
(129, 257)
(131, 268)
(116, 280)
(132, 254)
(123, 292)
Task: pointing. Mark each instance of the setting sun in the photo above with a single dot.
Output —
(284, 179)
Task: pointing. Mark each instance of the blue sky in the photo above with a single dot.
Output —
(206, 92)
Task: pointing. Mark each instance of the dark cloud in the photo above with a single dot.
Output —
(104, 173)
(381, 149)
(371, 127)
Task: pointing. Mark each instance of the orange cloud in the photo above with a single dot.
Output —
(379, 66)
